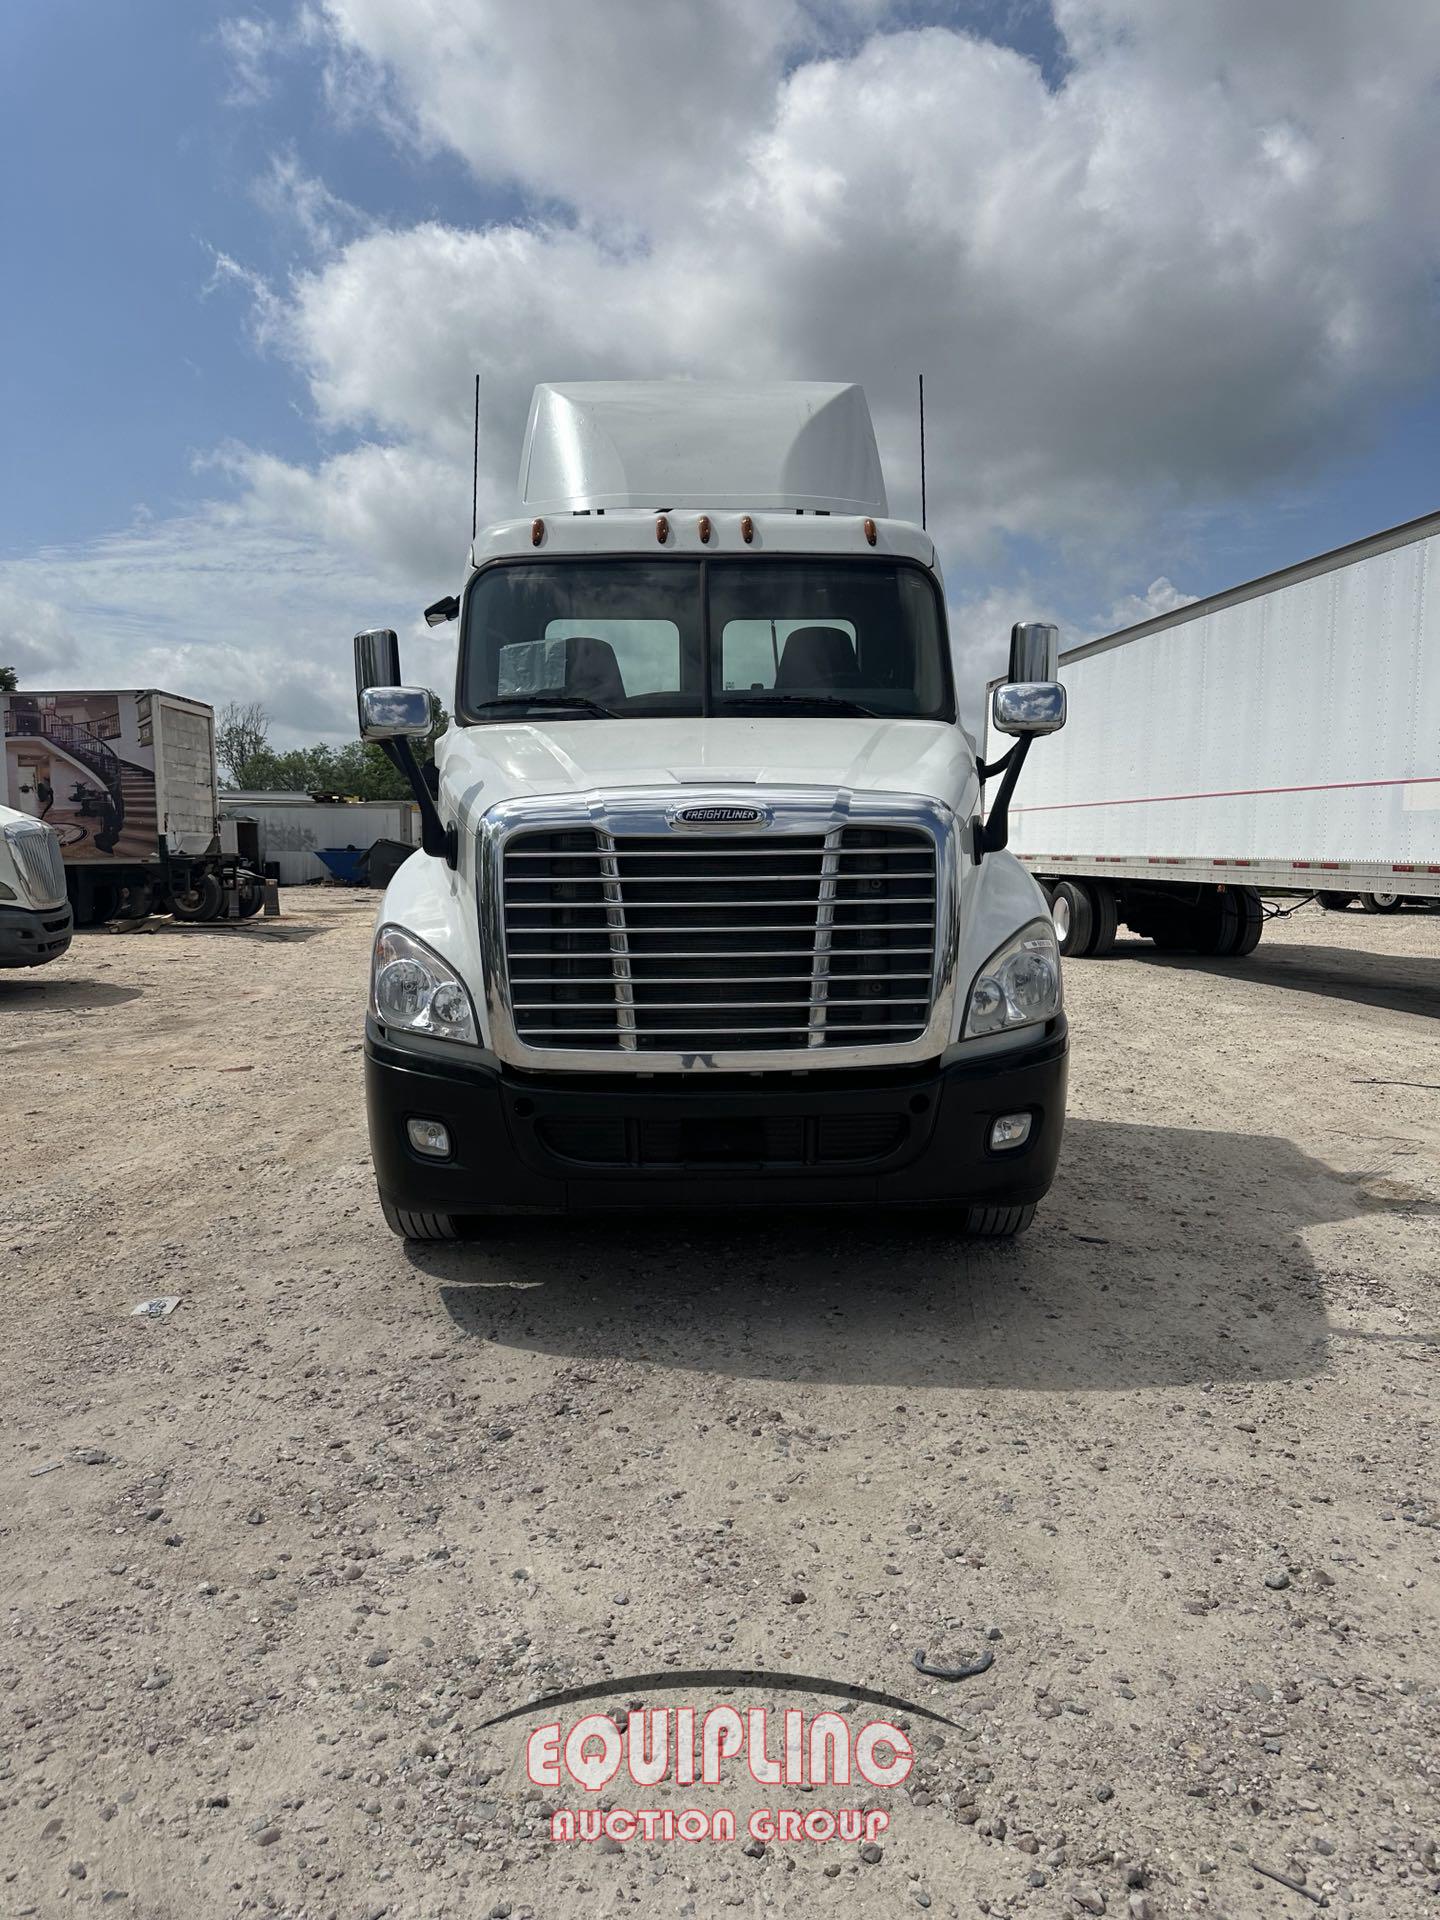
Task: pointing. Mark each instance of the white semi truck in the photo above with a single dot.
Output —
(706, 913)
(1283, 737)
(35, 916)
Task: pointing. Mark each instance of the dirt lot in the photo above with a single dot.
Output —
(269, 1563)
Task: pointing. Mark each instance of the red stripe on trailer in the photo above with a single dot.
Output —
(1235, 793)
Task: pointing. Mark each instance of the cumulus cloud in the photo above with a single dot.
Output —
(1195, 265)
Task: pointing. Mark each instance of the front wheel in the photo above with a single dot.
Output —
(997, 1223)
(419, 1226)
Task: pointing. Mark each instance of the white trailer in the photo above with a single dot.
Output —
(1283, 737)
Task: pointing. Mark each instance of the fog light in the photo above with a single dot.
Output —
(1009, 1131)
(430, 1137)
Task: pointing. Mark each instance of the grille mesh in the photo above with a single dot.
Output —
(730, 942)
(37, 854)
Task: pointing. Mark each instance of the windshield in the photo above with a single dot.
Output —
(594, 638)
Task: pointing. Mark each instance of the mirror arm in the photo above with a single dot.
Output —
(435, 837)
(993, 835)
(987, 769)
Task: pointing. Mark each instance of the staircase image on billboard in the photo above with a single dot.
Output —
(85, 764)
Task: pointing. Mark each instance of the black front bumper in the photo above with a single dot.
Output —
(554, 1143)
(29, 939)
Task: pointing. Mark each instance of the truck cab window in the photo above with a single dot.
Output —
(622, 634)
(599, 637)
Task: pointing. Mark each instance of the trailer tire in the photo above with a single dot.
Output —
(1218, 923)
(1074, 918)
(203, 901)
(1105, 910)
(1382, 902)
(419, 1226)
(1335, 902)
(1252, 921)
(249, 900)
(997, 1223)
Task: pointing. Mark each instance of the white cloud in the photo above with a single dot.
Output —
(1198, 266)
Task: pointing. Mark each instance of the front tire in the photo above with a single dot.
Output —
(997, 1223)
(419, 1226)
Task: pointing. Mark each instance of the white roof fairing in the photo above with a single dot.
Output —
(747, 446)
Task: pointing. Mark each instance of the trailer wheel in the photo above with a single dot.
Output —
(1074, 919)
(1106, 917)
(419, 1226)
(1218, 923)
(1335, 902)
(251, 899)
(200, 902)
(1382, 902)
(998, 1223)
(1252, 921)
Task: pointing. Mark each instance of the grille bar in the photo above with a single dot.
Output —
(736, 941)
(37, 854)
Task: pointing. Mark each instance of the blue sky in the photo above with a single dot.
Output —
(192, 192)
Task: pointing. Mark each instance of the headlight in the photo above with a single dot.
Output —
(413, 988)
(1017, 986)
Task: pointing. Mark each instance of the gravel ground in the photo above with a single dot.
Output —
(269, 1563)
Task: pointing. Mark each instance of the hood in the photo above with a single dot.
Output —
(484, 765)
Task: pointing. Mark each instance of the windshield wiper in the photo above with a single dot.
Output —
(831, 702)
(548, 702)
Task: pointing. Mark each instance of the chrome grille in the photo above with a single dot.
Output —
(730, 942)
(37, 855)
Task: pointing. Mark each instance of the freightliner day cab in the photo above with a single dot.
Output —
(709, 912)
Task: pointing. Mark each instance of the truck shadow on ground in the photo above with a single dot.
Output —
(23, 991)
(1162, 1256)
(1404, 983)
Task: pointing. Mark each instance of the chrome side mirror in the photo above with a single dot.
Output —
(1034, 651)
(395, 713)
(1030, 707)
(377, 661)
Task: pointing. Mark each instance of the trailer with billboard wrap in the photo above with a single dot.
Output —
(1282, 737)
(126, 781)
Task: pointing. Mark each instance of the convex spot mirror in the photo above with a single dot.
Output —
(395, 713)
(377, 662)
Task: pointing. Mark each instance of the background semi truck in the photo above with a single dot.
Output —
(35, 917)
(1283, 736)
(127, 781)
(705, 913)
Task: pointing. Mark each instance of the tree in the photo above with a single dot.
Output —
(241, 742)
(359, 770)
(9, 680)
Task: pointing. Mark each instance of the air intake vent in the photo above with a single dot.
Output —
(735, 942)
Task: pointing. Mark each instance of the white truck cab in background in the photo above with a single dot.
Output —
(35, 917)
(708, 912)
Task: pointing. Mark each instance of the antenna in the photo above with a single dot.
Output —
(922, 449)
(475, 468)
